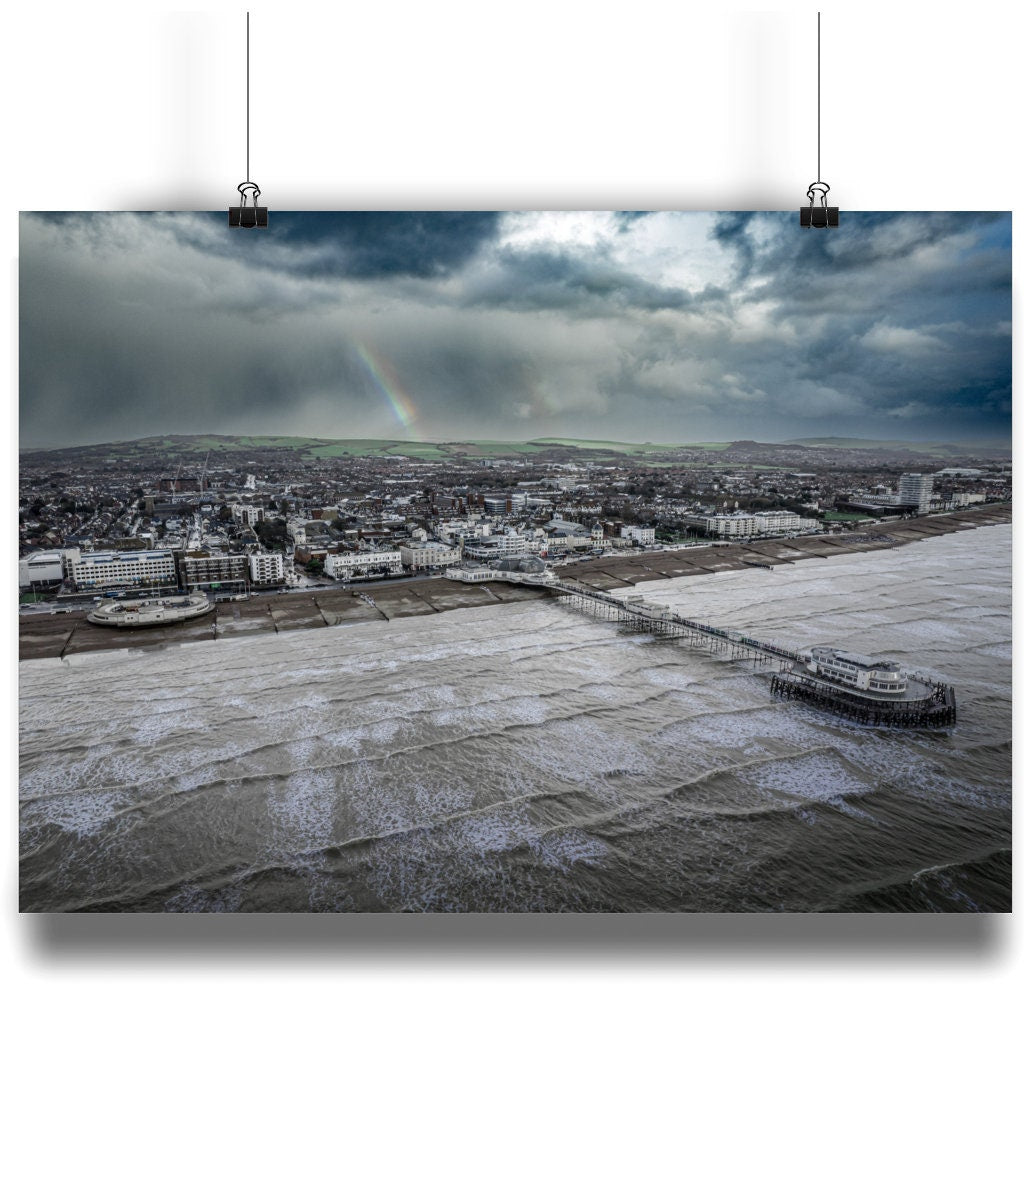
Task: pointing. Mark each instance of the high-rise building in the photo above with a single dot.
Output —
(916, 489)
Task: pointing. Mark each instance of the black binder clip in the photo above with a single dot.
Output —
(248, 216)
(818, 216)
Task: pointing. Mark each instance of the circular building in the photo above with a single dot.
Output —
(140, 614)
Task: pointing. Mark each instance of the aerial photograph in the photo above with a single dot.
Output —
(515, 562)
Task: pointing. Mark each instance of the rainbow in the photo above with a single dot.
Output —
(383, 377)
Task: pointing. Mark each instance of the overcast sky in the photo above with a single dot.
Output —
(635, 326)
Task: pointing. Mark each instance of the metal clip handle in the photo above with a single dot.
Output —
(245, 188)
(820, 191)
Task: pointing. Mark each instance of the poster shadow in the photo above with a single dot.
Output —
(492, 939)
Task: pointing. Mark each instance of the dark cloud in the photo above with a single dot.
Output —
(656, 326)
(373, 245)
(355, 245)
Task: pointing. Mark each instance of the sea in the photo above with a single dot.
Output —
(528, 757)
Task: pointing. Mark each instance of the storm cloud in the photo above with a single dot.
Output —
(639, 326)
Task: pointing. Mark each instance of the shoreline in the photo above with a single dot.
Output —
(54, 635)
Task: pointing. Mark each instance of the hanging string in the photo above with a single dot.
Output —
(247, 214)
(247, 92)
(814, 215)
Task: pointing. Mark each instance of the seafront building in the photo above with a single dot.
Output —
(429, 554)
(639, 535)
(43, 569)
(266, 569)
(771, 523)
(527, 566)
(201, 569)
(126, 568)
(496, 545)
(917, 490)
(363, 562)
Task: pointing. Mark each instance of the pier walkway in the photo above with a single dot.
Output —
(657, 618)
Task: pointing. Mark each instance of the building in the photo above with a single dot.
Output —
(781, 520)
(429, 554)
(963, 499)
(513, 502)
(513, 568)
(771, 523)
(471, 572)
(43, 569)
(917, 490)
(498, 545)
(639, 535)
(851, 670)
(129, 568)
(202, 569)
(728, 525)
(266, 569)
(248, 514)
(363, 562)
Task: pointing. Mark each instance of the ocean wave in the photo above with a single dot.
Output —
(975, 884)
(534, 760)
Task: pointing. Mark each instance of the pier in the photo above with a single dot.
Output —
(935, 710)
(928, 703)
(657, 618)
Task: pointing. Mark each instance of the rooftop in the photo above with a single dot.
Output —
(857, 660)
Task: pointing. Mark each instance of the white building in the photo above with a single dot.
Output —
(45, 568)
(123, 568)
(763, 524)
(568, 542)
(498, 545)
(367, 562)
(470, 572)
(266, 568)
(247, 514)
(461, 527)
(852, 670)
(639, 535)
(429, 554)
(730, 525)
(916, 489)
(296, 527)
(781, 520)
(963, 499)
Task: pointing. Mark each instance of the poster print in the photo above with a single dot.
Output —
(517, 562)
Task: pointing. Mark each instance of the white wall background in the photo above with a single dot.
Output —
(787, 1057)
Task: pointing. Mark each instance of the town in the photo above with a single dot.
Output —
(230, 516)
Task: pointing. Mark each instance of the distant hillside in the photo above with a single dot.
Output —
(937, 449)
(720, 454)
(338, 447)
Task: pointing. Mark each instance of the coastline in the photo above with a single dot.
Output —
(58, 634)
